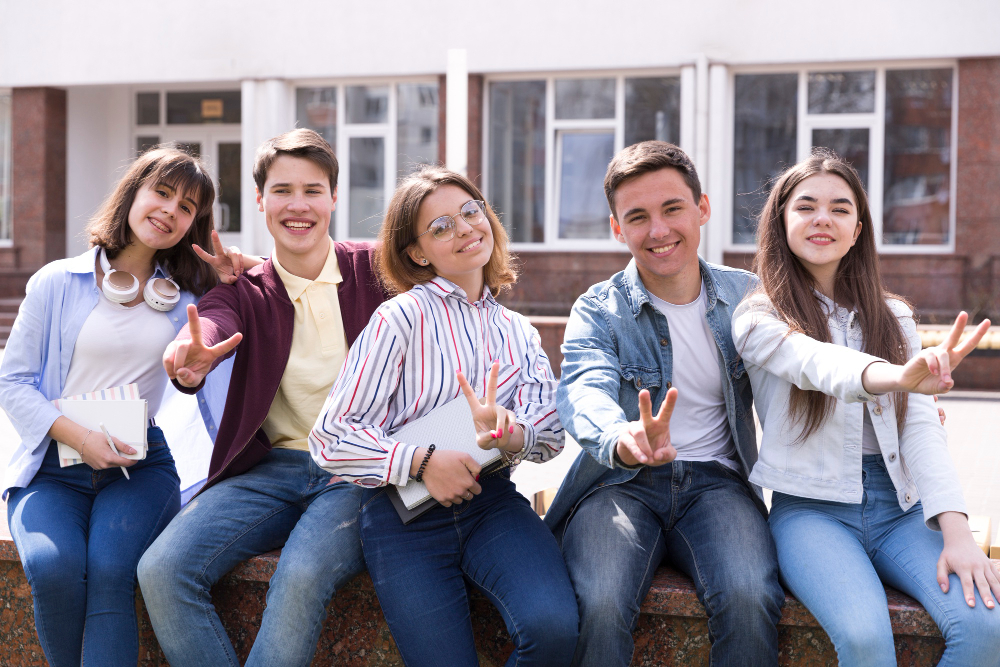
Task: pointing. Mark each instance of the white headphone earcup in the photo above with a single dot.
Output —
(161, 294)
(119, 293)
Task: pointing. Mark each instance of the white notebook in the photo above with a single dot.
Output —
(121, 411)
(448, 427)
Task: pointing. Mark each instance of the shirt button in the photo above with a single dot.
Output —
(638, 382)
(892, 457)
(203, 400)
(664, 342)
(669, 385)
(877, 410)
(907, 497)
(211, 427)
(176, 319)
(322, 316)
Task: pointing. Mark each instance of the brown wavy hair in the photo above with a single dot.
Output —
(858, 284)
(397, 269)
(186, 174)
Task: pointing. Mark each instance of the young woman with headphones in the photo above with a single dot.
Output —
(87, 323)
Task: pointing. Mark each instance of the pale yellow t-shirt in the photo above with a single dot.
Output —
(319, 347)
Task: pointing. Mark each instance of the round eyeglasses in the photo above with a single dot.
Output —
(443, 229)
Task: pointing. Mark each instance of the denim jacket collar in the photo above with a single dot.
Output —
(639, 296)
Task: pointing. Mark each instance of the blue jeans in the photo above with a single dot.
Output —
(834, 558)
(284, 501)
(80, 533)
(702, 517)
(496, 542)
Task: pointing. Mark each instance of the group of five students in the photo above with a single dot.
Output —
(307, 362)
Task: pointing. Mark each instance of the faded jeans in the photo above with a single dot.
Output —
(284, 501)
(701, 517)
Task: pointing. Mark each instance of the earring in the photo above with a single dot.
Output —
(424, 262)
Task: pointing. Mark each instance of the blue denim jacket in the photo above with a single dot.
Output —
(618, 344)
(57, 301)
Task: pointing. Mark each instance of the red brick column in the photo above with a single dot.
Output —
(38, 156)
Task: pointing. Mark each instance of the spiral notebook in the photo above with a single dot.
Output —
(121, 411)
(446, 427)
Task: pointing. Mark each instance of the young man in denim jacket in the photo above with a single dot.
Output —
(653, 389)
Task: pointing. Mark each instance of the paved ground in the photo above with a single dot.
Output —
(973, 427)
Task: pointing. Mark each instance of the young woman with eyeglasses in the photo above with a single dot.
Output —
(445, 254)
(93, 322)
(865, 492)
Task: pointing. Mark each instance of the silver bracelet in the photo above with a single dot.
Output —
(82, 446)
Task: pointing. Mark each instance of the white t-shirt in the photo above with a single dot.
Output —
(119, 345)
(699, 427)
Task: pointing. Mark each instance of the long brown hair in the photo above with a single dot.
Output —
(398, 271)
(185, 174)
(858, 283)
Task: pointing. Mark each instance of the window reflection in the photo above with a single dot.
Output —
(583, 208)
(147, 109)
(585, 98)
(850, 144)
(652, 109)
(517, 157)
(201, 107)
(367, 181)
(842, 92)
(367, 104)
(917, 157)
(416, 126)
(316, 109)
(229, 187)
(765, 143)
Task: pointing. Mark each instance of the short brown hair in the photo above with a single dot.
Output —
(398, 271)
(644, 157)
(170, 166)
(297, 143)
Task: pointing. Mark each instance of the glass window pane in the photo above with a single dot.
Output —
(764, 143)
(416, 126)
(367, 104)
(852, 145)
(147, 109)
(229, 187)
(842, 92)
(585, 98)
(192, 148)
(517, 158)
(144, 143)
(583, 208)
(5, 166)
(367, 195)
(652, 109)
(196, 108)
(316, 109)
(917, 157)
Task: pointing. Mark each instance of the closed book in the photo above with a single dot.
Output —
(450, 427)
(124, 418)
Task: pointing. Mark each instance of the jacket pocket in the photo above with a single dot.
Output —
(641, 378)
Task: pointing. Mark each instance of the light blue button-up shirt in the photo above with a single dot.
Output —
(57, 302)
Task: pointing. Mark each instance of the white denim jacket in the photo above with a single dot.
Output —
(827, 465)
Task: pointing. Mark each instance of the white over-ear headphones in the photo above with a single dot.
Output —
(121, 287)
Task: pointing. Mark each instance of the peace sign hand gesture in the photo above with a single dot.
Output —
(494, 423)
(188, 361)
(647, 440)
(228, 263)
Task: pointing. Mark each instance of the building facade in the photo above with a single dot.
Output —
(541, 96)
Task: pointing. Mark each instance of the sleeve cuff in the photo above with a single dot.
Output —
(402, 460)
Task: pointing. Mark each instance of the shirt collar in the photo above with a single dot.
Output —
(639, 296)
(87, 263)
(295, 285)
(444, 287)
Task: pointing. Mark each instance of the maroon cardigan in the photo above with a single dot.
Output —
(258, 306)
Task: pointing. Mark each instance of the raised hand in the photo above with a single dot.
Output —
(930, 371)
(647, 440)
(188, 361)
(227, 263)
(495, 424)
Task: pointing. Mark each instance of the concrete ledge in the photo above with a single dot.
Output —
(672, 627)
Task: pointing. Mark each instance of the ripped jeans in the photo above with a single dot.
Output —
(286, 501)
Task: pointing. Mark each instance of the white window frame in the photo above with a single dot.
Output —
(7, 159)
(553, 126)
(874, 121)
(345, 132)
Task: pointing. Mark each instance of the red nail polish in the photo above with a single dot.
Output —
(511, 428)
(477, 478)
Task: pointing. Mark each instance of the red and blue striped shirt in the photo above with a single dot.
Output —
(403, 365)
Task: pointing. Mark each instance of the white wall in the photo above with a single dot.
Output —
(66, 42)
(97, 152)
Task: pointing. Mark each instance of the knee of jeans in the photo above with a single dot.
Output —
(978, 629)
(552, 630)
(858, 643)
(159, 570)
(309, 580)
(751, 596)
(49, 571)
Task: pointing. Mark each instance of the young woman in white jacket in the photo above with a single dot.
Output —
(865, 492)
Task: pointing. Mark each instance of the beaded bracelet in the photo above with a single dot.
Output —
(427, 457)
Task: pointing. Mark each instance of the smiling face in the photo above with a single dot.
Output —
(659, 220)
(160, 216)
(297, 204)
(460, 260)
(821, 225)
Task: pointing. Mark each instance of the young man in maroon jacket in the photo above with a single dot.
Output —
(293, 318)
